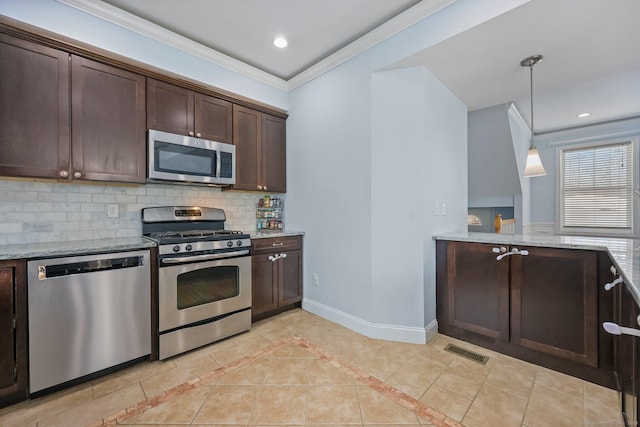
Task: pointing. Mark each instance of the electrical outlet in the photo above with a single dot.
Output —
(315, 279)
(444, 209)
(112, 211)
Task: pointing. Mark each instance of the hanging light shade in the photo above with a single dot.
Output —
(534, 165)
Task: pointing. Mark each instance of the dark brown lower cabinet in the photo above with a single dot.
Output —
(541, 306)
(276, 275)
(13, 332)
(554, 303)
(626, 351)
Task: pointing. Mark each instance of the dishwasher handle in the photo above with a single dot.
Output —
(90, 266)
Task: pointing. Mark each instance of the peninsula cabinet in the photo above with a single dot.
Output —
(181, 111)
(537, 304)
(260, 141)
(13, 332)
(276, 275)
(67, 117)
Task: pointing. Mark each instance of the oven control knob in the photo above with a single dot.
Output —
(176, 248)
(188, 247)
(239, 243)
(229, 244)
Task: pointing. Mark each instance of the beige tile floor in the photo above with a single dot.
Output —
(298, 369)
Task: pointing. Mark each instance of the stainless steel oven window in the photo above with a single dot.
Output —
(207, 285)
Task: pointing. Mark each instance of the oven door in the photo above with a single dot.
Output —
(194, 292)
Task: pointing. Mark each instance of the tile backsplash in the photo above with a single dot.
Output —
(44, 211)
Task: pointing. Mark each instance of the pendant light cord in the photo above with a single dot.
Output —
(531, 86)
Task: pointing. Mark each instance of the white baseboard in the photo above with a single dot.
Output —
(409, 334)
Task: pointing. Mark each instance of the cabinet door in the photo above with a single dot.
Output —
(34, 110)
(169, 108)
(247, 131)
(477, 290)
(13, 337)
(626, 354)
(554, 303)
(108, 123)
(264, 290)
(290, 272)
(213, 118)
(273, 149)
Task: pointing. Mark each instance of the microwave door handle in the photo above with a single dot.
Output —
(218, 162)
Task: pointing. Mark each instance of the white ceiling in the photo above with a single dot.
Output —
(591, 61)
(245, 29)
(590, 47)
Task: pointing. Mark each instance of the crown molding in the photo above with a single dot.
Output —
(131, 22)
(141, 26)
(390, 28)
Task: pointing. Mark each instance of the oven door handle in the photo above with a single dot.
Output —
(205, 257)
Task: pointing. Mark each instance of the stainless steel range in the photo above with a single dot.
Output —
(204, 277)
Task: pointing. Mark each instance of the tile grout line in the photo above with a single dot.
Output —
(399, 397)
(149, 403)
(418, 408)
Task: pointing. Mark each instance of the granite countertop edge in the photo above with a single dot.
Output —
(73, 248)
(272, 234)
(625, 253)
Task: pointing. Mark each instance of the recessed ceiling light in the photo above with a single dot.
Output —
(280, 42)
(582, 115)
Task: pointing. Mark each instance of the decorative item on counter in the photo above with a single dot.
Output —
(497, 223)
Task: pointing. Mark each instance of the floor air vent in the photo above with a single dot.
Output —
(467, 354)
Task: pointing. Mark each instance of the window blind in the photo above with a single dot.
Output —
(597, 187)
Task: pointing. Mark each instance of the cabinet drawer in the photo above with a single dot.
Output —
(276, 244)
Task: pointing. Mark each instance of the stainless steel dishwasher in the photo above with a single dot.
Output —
(86, 314)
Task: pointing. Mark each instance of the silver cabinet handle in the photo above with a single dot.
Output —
(63, 174)
(198, 134)
(615, 329)
(259, 187)
(276, 257)
(77, 174)
(609, 286)
(514, 251)
(501, 249)
(190, 133)
(265, 188)
(277, 244)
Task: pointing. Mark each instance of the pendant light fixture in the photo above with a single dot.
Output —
(534, 164)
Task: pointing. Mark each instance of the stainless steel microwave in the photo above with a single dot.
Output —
(181, 158)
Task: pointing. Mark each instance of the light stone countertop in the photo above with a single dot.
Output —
(270, 234)
(73, 247)
(625, 253)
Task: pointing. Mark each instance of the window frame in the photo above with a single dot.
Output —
(635, 205)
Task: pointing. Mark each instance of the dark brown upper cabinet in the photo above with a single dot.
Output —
(108, 123)
(35, 109)
(174, 109)
(260, 141)
(68, 117)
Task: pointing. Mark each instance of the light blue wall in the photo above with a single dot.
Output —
(59, 18)
(337, 131)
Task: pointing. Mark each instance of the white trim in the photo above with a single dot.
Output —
(131, 22)
(141, 26)
(408, 334)
(409, 17)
